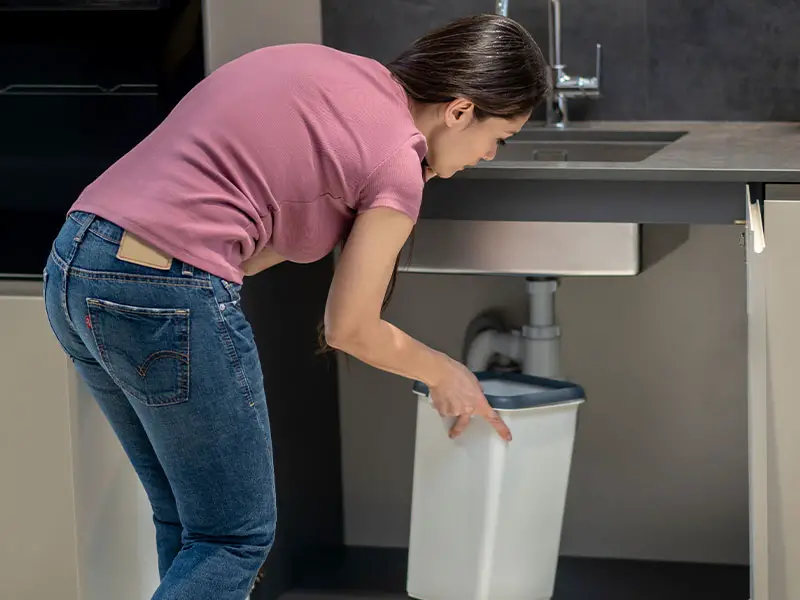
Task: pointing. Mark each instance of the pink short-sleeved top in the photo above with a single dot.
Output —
(282, 148)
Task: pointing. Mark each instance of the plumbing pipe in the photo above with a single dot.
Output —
(481, 350)
(541, 306)
(489, 343)
(536, 346)
(542, 351)
(541, 335)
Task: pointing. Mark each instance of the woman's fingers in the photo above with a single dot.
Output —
(462, 422)
(493, 418)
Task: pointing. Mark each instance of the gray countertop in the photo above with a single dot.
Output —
(711, 152)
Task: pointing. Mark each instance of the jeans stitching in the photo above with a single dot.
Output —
(58, 260)
(96, 225)
(186, 373)
(183, 383)
(132, 278)
(46, 277)
(198, 282)
(230, 347)
(103, 236)
(166, 312)
(232, 292)
(63, 300)
(203, 283)
(184, 358)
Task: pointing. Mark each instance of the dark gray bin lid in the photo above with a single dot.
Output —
(543, 391)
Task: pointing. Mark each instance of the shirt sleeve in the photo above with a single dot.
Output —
(396, 183)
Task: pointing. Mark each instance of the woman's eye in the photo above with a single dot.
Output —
(501, 142)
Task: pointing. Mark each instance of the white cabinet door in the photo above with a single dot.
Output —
(774, 314)
(75, 523)
(757, 410)
(38, 537)
(782, 226)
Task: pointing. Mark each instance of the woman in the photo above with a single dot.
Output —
(279, 155)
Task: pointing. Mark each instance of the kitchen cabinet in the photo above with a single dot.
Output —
(38, 548)
(774, 331)
(76, 524)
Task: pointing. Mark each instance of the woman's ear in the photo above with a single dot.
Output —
(459, 113)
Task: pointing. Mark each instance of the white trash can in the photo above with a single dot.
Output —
(486, 515)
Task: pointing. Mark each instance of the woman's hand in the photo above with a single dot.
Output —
(459, 394)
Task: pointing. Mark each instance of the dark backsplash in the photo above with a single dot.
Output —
(706, 60)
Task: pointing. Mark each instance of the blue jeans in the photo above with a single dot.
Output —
(171, 360)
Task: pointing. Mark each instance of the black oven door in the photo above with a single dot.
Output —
(81, 82)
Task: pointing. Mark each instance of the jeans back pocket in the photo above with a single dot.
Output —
(144, 350)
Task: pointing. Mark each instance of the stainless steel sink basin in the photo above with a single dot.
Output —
(541, 248)
(553, 145)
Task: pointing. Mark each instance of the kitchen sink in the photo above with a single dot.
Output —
(544, 248)
(554, 145)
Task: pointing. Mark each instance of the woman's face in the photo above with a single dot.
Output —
(460, 140)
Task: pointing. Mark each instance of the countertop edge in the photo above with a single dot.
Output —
(615, 173)
(708, 152)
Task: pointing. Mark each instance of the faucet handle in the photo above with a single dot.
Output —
(579, 86)
(598, 66)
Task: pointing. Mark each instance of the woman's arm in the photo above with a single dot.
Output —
(353, 322)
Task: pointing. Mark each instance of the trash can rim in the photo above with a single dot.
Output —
(556, 391)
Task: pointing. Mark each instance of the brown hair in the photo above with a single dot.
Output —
(488, 59)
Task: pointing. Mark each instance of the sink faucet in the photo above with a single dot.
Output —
(562, 86)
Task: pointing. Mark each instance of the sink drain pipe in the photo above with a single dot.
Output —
(535, 347)
(542, 336)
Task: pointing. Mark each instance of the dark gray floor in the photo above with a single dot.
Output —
(379, 574)
(353, 596)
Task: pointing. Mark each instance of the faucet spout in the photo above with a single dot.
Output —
(562, 85)
(554, 30)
